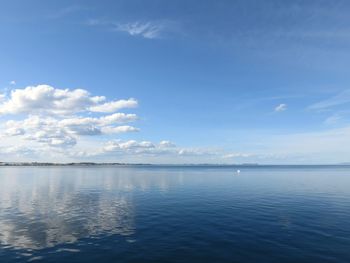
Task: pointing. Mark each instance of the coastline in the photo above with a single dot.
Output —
(248, 165)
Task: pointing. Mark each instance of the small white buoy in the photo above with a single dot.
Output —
(238, 171)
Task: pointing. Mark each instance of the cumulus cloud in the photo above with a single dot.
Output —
(58, 117)
(130, 145)
(14, 131)
(44, 99)
(56, 132)
(119, 129)
(281, 107)
(68, 127)
(46, 123)
(139, 147)
(149, 148)
(166, 144)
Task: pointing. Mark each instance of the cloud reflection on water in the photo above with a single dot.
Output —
(43, 207)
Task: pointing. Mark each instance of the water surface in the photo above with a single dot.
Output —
(174, 214)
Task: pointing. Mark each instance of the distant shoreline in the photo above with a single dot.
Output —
(6, 164)
(64, 164)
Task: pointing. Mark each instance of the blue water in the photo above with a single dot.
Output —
(174, 214)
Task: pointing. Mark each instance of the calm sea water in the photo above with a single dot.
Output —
(174, 214)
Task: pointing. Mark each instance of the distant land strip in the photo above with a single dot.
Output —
(167, 165)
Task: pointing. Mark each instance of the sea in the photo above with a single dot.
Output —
(111, 213)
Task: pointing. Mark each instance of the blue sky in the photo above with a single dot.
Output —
(219, 81)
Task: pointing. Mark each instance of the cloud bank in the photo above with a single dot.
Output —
(44, 116)
(44, 123)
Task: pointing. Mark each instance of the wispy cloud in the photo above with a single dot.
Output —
(338, 118)
(333, 119)
(144, 29)
(148, 30)
(281, 107)
(339, 99)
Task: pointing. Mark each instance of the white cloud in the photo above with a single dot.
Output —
(281, 107)
(57, 117)
(339, 99)
(50, 129)
(17, 151)
(114, 105)
(148, 30)
(132, 145)
(166, 144)
(12, 82)
(52, 138)
(119, 129)
(115, 118)
(14, 131)
(41, 130)
(196, 152)
(236, 155)
(332, 120)
(148, 148)
(44, 99)
(46, 123)
(145, 29)
(68, 124)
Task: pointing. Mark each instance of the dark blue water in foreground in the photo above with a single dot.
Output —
(174, 214)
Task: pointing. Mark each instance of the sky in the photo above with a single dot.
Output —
(175, 82)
